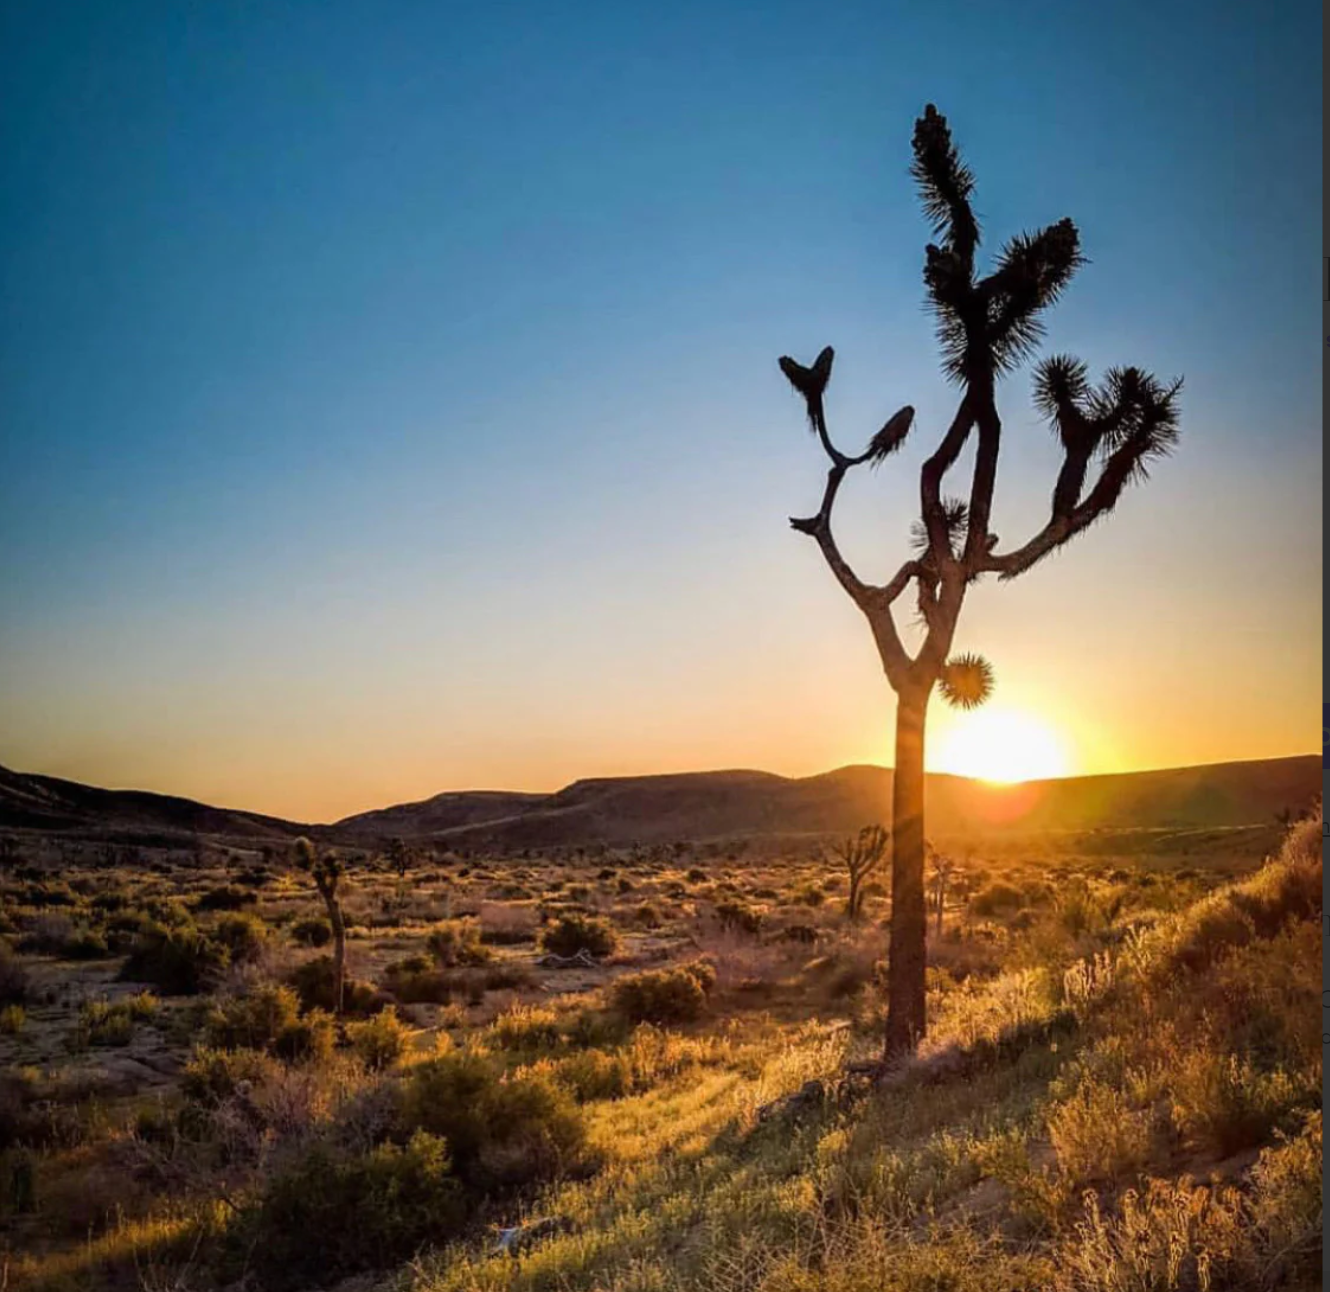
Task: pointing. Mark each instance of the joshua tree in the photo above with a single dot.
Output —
(861, 854)
(1109, 433)
(326, 871)
(939, 879)
(400, 857)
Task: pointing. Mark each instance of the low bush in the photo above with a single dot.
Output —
(737, 917)
(313, 932)
(664, 995)
(997, 898)
(244, 936)
(252, 1021)
(503, 1131)
(212, 1077)
(574, 932)
(524, 1028)
(379, 1042)
(313, 982)
(368, 1211)
(457, 942)
(177, 960)
(227, 898)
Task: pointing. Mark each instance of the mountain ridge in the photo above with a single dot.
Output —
(697, 805)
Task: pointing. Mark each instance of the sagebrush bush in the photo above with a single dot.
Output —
(226, 898)
(457, 942)
(313, 982)
(574, 932)
(525, 1028)
(244, 937)
(503, 1131)
(1224, 1102)
(252, 1021)
(677, 995)
(997, 898)
(738, 917)
(177, 960)
(330, 1212)
(313, 932)
(212, 1077)
(379, 1042)
(1097, 1135)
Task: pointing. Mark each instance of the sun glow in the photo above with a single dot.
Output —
(1002, 745)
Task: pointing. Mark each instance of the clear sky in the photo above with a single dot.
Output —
(388, 396)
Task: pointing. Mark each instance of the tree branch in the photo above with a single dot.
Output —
(930, 483)
(874, 601)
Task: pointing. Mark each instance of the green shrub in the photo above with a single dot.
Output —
(502, 1131)
(457, 942)
(244, 936)
(664, 995)
(594, 1074)
(1212, 928)
(313, 982)
(331, 1212)
(415, 981)
(253, 1021)
(211, 1077)
(180, 961)
(314, 932)
(310, 1039)
(525, 1028)
(574, 932)
(738, 917)
(997, 898)
(103, 1023)
(227, 898)
(380, 1041)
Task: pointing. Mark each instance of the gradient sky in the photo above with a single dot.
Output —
(388, 397)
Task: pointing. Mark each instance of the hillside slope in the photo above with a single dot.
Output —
(705, 805)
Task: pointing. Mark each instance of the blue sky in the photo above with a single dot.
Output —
(388, 397)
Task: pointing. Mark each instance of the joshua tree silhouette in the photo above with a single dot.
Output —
(1113, 431)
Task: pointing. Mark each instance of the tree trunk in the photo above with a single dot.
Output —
(909, 915)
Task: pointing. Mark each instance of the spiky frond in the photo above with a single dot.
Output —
(956, 514)
(1061, 389)
(811, 383)
(890, 437)
(1032, 272)
(966, 681)
(946, 185)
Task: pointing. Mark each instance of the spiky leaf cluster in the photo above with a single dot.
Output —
(956, 517)
(1128, 421)
(987, 326)
(966, 681)
(811, 383)
(890, 437)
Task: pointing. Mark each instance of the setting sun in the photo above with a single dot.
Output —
(1001, 745)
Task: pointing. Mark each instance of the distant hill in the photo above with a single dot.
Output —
(700, 805)
(704, 805)
(47, 803)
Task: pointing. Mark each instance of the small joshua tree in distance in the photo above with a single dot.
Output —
(941, 869)
(326, 871)
(861, 854)
(1109, 433)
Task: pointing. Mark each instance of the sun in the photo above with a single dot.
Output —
(1003, 745)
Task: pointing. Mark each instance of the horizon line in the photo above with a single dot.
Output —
(710, 771)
